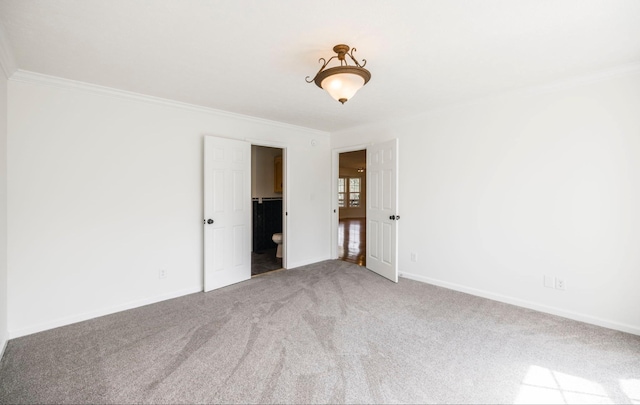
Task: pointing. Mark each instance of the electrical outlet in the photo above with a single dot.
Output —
(414, 257)
(162, 273)
(560, 284)
(549, 281)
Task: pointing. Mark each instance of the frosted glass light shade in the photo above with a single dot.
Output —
(341, 82)
(342, 86)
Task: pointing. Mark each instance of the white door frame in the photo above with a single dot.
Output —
(285, 192)
(335, 175)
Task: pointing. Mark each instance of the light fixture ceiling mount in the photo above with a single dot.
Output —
(343, 81)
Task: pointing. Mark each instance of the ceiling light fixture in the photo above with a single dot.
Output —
(341, 82)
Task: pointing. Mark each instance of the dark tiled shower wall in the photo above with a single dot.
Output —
(267, 220)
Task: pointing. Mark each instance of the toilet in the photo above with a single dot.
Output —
(277, 239)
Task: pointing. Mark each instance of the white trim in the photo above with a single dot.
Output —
(267, 142)
(286, 224)
(576, 316)
(95, 314)
(7, 60)
(549, 87)
(308, 262)
(352, 148)
(523, 92)
(545, 88)
(584, 80)
(23, 76)
(2, 349)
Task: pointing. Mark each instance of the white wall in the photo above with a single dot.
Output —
(262, 171)
(4, 334)
(104, 190)
(496, 194)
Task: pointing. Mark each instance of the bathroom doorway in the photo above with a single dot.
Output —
(267, 191)
(352, 207)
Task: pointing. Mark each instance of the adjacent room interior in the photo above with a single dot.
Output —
(160, 161)
(352, 204)
(267, 208)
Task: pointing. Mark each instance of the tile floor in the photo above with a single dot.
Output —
(264, 261)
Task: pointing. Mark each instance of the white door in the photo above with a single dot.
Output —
(382, 202)
(227, 212)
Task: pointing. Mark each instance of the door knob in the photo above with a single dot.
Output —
(392, 217)
(209, 221)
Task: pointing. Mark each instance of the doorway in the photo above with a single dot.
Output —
(381, 206)
(352, 192)
(267, 190)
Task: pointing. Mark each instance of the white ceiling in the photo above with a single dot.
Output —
(251, 57)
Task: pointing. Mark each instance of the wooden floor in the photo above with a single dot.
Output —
(352, 240)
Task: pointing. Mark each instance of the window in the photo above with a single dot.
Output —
(349, 192)
(354, 192)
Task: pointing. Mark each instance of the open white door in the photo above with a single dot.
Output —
(382, 202)
(227, 212)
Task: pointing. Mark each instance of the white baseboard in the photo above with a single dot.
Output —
(526, 304)
(307, 262)
(4, 346)
(94, 314)
(16, 333)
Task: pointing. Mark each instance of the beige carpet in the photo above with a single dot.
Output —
(331, 332)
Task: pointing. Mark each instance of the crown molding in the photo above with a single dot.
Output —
(553, 86)
(583, 80)
(23, 76)
(547, 88)
(529, 91)
(7, 60)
